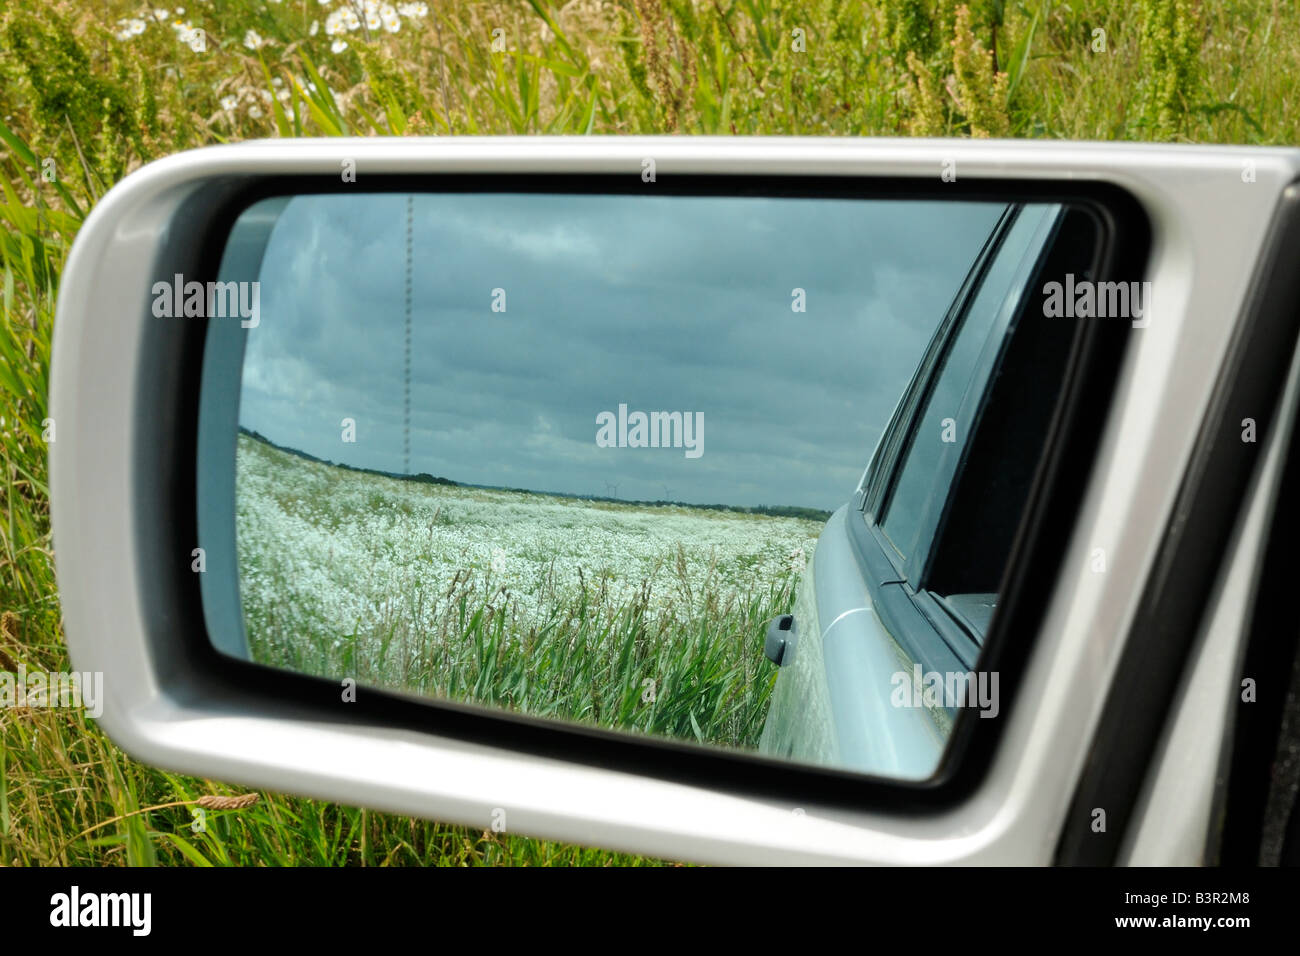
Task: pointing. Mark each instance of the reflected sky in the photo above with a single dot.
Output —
(659, 303)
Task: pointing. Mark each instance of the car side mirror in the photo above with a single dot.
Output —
(232, 648)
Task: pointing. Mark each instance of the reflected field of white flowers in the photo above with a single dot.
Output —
(329, 548)
(401, 582)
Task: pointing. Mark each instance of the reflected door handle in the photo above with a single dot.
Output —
(779, 632)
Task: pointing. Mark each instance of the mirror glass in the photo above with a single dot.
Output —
(742, 471)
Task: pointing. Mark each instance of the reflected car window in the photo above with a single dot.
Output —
(944, 427)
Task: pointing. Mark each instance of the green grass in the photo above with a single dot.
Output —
(79, 109)
(620, 668)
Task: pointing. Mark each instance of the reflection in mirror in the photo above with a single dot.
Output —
(738, 471)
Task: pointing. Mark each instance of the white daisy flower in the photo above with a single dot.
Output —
(253, 41)
(190, 35)
(338, 46)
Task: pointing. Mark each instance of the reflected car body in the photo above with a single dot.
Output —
(880, 658)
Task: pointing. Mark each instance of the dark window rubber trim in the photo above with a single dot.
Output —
(1208, 506)
(954, 628)
(164, 507)
(947, 607)
(1262, 766)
